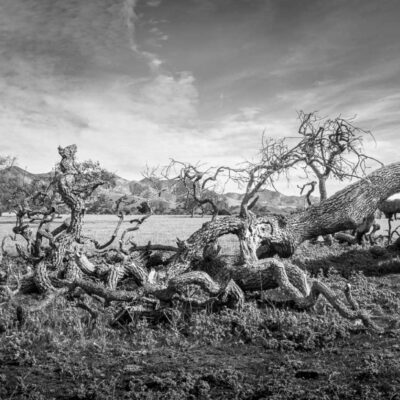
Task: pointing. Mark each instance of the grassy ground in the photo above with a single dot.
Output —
(159, 229)
(263, 351)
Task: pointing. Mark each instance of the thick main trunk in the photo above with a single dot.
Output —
(271, 234)
(193, 247)
(349, 207)
(346, 209)
(323, 194)
(278, 234)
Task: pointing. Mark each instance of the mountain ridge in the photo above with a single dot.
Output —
(171, 194)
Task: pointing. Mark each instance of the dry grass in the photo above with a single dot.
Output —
(159, 229)
(262, 351)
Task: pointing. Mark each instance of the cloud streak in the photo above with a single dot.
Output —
(153, 61)
(138, 81)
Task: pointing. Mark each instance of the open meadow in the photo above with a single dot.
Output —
(159, 229)
(265, 350)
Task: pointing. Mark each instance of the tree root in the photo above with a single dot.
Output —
(318, 288)
(113, 274)
(221, 284)
(292, 281)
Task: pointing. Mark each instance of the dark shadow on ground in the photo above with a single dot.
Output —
(356, 259)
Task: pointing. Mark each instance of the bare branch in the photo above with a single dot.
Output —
(200, 183)
(275, 158)
(99, 246)
(132, 229)
(332, 148)
(310, 191)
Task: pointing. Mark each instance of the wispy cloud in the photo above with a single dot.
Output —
(153, 60)
(153, 3)
(43, 105)
(137, 81)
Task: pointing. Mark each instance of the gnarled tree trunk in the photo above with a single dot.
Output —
(260, 237)
(346, 209)
(278, 234)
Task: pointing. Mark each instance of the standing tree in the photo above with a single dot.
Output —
(275, 159)
(332, 148)
(201, 185)
(55, 272)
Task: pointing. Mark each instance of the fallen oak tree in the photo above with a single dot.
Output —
(57, 274)
(346, 209)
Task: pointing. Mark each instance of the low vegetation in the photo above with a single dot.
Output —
(248, 306)
(265, 350)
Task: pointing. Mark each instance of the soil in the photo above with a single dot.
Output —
(363, 366)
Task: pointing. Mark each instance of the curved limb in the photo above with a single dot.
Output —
(41, 278)
(318, 288)
(99, 246)
(229, 294)
(61, 228)
(113, 274)
(292, 281)
(134, 228)
(153, 247)
(232, 295)
(310, 191)
(3, 245)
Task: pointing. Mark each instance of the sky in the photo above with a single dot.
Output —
(136, 82)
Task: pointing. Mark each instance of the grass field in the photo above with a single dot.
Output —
(159, 229)
(265, 351)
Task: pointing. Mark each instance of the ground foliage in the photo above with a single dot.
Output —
(265, 350)
(74, 346)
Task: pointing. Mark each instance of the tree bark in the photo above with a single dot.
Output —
(349, 207)
(192, 248)
(278, 234)
(323, 194)
(259, 238)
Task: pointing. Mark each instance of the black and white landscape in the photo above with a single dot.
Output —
(199, 199)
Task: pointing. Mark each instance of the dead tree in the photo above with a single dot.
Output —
(332, 148)
(222, 283)
(280, 235)
(200, 184)
(310, 191)
(347, 209)
(364, 232)
(151, 175)
(74, 187)
(275, 159)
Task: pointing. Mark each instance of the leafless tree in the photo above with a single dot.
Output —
(152, 175)
(275, 159)
(312, 185)
(56, 273)
(200, 183)
(332, 148)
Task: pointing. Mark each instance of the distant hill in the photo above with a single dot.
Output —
(272, 200)
(168, 193)
(23, 175)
